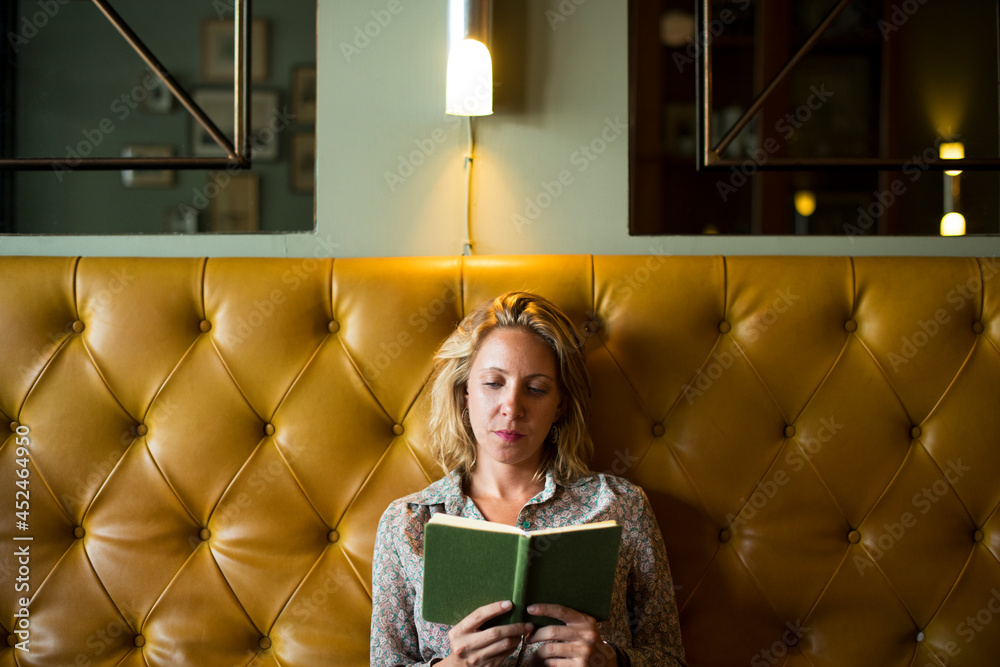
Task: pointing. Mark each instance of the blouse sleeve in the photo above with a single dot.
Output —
(656, 634)
(394, 640)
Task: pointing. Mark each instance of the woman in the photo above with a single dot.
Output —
(508, 419)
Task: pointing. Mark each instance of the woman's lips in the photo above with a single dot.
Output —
(509, 436)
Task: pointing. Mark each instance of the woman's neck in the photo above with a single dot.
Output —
(506, 484)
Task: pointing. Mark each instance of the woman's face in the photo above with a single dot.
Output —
(513, 397)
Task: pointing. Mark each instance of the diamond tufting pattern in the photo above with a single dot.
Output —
(210, 444)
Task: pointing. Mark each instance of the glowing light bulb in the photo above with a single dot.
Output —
(805, 203)
(469, 89)
(952, 151)
(953, 224)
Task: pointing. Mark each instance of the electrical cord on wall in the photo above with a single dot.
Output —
(467, 246)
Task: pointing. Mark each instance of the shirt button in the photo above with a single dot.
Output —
(526, 525)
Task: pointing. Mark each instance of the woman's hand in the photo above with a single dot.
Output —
(484, 648)
(576, 644)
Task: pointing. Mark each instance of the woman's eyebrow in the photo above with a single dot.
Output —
(501, 370)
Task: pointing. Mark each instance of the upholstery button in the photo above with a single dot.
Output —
(397, 429)
(724, 326)
(658, 430)
(13, 426)
(141, 429)
(204, 534)
(205, 326)
(919, 637)
(11, 640)
(725, 535)
(915, 432)
(978, 327)
(333, 326)
(854, 537)
(138, 641)
(333, 536)
(78, 326)
(79, 532)
(789, 431)
(851, 325)
(269, 429)
(791, 639)
(978, 536)
(590, 327)
(264, 643)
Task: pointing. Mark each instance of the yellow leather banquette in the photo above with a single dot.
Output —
(199, 450)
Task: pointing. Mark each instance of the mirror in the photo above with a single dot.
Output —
(822, 117)
(75, 89)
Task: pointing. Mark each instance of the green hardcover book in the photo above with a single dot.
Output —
(469, 563)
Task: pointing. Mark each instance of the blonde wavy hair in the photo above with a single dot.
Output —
(453, 443)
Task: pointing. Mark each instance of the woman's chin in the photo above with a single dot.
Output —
(512, 454)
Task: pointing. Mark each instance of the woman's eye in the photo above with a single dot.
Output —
(538, 390)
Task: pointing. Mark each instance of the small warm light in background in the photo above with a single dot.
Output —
(805, 203)
(953, 151)
(469, 89)
(953, 224)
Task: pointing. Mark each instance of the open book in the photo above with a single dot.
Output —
(469, 563)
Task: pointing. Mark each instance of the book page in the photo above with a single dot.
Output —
(581, 526)
(474, 524)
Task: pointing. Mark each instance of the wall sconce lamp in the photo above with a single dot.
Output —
(805, 206)
(469, 79)
(953, 222)
(469, 89)
(954, 150)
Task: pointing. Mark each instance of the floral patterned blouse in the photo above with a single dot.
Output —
(643, 621)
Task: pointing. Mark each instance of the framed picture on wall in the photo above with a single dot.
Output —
(303, 165)
(159, 99)
(148, 178)
(218, 104)
(218, 50)
(304, 94)
(236, 207)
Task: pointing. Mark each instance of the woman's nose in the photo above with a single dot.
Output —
(512, 403)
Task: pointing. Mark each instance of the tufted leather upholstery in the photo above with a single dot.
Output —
(212, 442)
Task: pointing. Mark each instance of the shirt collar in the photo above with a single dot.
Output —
(438, 493)
(547, 491)
(447, 491)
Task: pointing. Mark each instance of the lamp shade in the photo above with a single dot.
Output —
(469, 89)
(954, 150)
(953, 224)
(805, 203)
(469, 84)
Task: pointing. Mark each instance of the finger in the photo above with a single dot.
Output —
(564, 634)
(556, 653)
(483, 614)
(468, 641)
(498, 641)
(575, 653)
(560, 612)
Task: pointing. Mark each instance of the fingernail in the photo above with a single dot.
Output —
(527, 628)
(532, 609)
(506, 604)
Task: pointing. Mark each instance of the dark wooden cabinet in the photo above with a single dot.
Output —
(867, 89)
